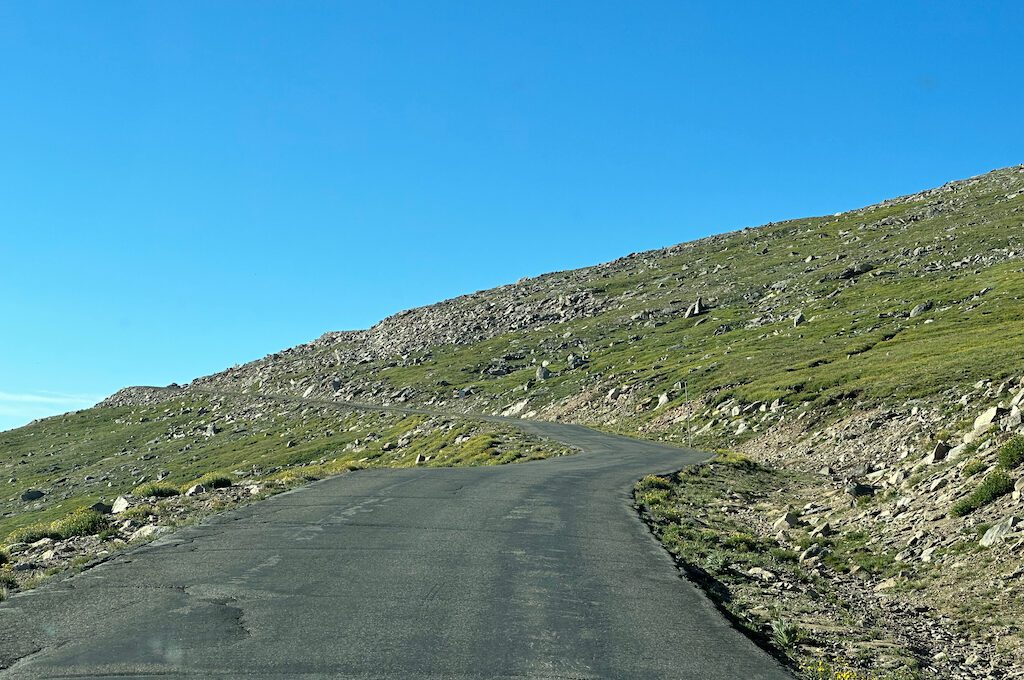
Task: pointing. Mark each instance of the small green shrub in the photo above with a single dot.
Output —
(215, 480)
(783, 555)
(994, 485)
(651, 482)
(33, 533)
(736, 460)
(4, 557)
(108, 534)
(139, 511)
(785, 633)
(155, 490)
(974, 467)
(742, 542)
(81, 522)
(1012, 453)
(7, 579)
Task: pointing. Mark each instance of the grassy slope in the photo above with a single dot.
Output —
(99, 453)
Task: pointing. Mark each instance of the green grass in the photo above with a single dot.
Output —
(974, 467)
(80, 522)
(213, 480)
(140, 512)
(995, 485)
(155, 490)
(1011, 455)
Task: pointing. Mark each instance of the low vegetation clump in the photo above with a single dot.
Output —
(1012, 453)
(785, 633)
(139, 512)
(825, 670)
(155, 490)
(33, 533)
(974, 467)
(994, 485)
(214, 480)
(80, 522)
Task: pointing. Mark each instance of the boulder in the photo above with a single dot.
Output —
(815, 550)
(1018, 400)
(662, 400)
(543, 373)
(195, 490)
(1012, 421)
(1018, 489)
(938, 454)
(31, 495)
(761, 574)
(798, 319)
(101, 508)
(823, 531)
(987, 417)
(696, 309)
(856, 489)
(920, 309)
(120, 505)
(516, 408)
(997, 533)
(148, 531)
(856, 270)
(789, 520)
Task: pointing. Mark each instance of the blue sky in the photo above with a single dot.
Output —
(189, 185)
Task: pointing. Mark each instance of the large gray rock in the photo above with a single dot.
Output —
(920, 309)
(938, 454)
(148, 531)
(31, 495)
(988, 416)
(119, 505)
(997, 533)
(1018, 400)
(696, 309)
(543, 373)
(1014, 420)
(789, 520)
(856, 270)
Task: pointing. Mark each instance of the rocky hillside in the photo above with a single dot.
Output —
(874, 355)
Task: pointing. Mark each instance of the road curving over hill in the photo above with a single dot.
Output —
(533, 570)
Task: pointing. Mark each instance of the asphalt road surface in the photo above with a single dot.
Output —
(534, 570)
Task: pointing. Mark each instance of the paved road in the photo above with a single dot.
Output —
(535, 570)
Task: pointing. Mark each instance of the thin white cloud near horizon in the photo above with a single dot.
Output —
(53, 398)
(21, 408)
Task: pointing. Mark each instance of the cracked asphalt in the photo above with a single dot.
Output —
(534, 570)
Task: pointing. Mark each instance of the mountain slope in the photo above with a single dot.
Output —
(852, 281)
